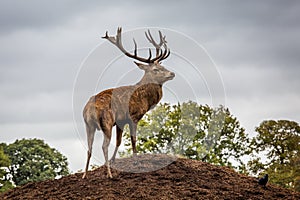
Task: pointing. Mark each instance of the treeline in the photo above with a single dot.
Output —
(214, 135)
(29, 160)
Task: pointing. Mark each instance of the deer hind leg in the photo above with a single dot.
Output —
(90, 132)
(106, 125)
(105, 145)
(118, 142)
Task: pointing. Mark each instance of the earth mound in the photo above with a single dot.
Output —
(179, 178)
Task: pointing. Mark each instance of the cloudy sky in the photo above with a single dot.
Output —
(255, 46)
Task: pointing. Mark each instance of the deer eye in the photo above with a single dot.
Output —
(156, 70)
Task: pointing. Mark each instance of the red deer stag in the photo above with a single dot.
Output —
(126, 104)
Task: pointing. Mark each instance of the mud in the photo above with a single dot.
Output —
(182, 179)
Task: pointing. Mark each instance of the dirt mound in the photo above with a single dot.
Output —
(182, 179)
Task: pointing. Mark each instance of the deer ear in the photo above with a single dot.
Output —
(141, 65)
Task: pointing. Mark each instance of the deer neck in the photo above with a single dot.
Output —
(145, 80)
(147, 89)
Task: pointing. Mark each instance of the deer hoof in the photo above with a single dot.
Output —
(112, 161)
(135, 161)
(109, 175)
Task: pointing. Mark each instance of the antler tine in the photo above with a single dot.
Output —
(135, 47)
(150, 54)
(109, 38)
(167, 54)
(162, 38)
(119, 36)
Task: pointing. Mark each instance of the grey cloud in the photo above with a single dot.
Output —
(36, 108)
(34, 14)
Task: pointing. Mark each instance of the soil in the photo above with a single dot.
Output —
(179, 179)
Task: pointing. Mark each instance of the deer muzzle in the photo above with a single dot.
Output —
(171, 75)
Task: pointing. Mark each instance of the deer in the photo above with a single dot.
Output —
(126, 104)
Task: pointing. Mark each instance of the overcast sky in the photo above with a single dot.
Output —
(254, 44)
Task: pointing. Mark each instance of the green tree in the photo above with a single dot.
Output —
(279, 142)
(5, 183)
(34, 160)
(194, 131)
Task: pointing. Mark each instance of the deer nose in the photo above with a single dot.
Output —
(172, 74)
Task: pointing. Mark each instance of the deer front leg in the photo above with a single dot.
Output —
(132, 128)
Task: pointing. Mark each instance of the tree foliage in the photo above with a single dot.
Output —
(194, 131)
(5, 183)
(34, 160)
(279, 142)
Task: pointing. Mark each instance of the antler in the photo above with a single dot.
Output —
(160, 54)
(162, 42)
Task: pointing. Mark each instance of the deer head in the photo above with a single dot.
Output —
(154, 71)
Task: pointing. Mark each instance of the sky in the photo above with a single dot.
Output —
(46, 47)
